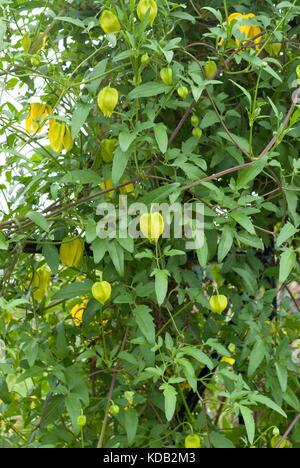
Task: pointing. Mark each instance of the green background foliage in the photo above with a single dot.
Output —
(157, 336)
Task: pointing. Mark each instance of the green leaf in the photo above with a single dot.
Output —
(249, 173)
(256, 356)
(249, 239)
(3, 242)
(161, 136)
(4, 393)
(116, 254)
(282, 375)
(83, 176)
(39, 220)
(148, 90)
(76, 289)
(249, 279)
(131, 424)
(249, 422)
(202, 253)
(119, 165)
(159, 194)
(145, 322)
(79, 117)
(286, 233)
(161, 285)
(268, 402)
(51, 255)
(243, 220)
(98, 247)
(189, 372)
(215, 12)
(287, 263)
(61, 342)
(125, 140)
(198, 355)
(170, 400)
(218, 440)
(73, 406)
(98, 71)
(225, 243)
(218, 347)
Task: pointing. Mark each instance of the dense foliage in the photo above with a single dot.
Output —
(150, 341)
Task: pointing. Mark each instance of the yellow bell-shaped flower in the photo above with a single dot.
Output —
(218, 303)
(109, 22)
(152, 225)
(59, 136)
(101, 291)
(38, 112)
(77, 312)
(40, 282)
(143, 7)
(107, 100)
(71, 251)
(250, 31)
(192, 441)
(107, 149)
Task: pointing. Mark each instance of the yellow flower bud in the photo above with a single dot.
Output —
(166, 75)
(109, 22)
(192, 441)
(210, 69)
(143, 7)
(107, 149)
(152, 225)
(107, 100)
(218, 303)
(40, 282)
(71, 251)
(101, 291)
(197, 132)
(81, 420)
(182, 92)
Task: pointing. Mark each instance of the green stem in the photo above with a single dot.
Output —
(103, 335)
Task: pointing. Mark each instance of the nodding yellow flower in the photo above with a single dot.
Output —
(77, 312)
(38, 113)
(59, 136)
(39, 281)
(71, 251)
(107, 100)
(152, 225)
(143, 7)
(109, 22)
(101, 291)
(218, 303)
(249, 31)
(107, 149)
